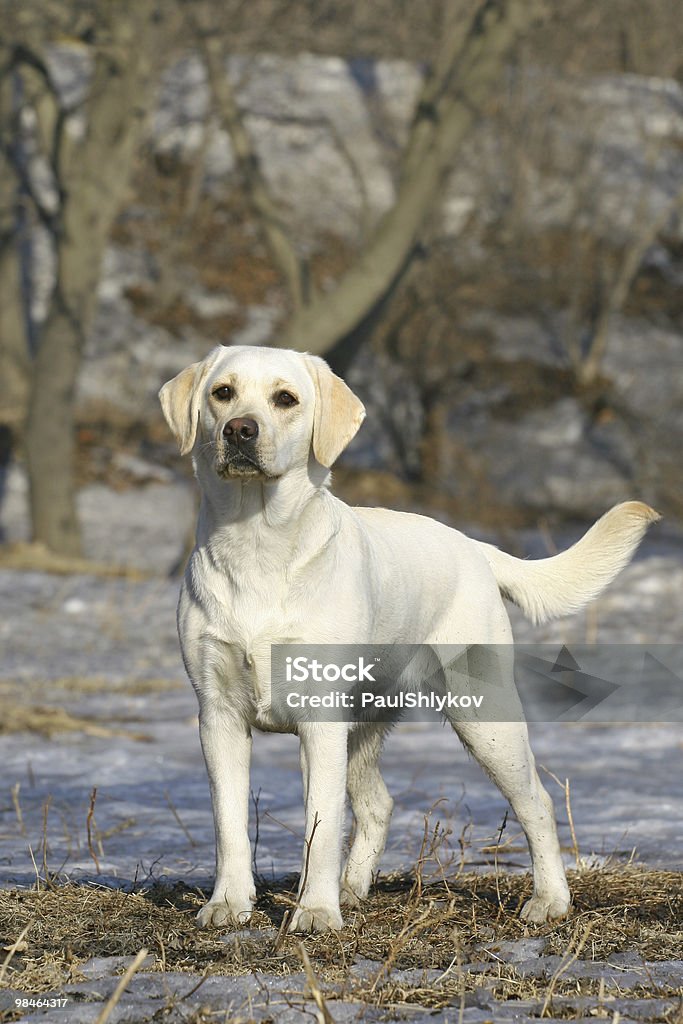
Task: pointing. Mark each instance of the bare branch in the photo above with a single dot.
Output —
(616, 283)
(258, 195)
(468, 72)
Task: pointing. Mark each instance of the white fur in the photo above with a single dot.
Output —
(279, 559)
(551, 587)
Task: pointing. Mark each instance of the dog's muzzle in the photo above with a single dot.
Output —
(240, 456)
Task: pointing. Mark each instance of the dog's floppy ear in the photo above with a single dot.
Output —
(180, 402)
(338, 412)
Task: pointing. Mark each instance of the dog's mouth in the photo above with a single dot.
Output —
(234, 463)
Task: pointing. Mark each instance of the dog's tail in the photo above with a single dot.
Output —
(551, 587)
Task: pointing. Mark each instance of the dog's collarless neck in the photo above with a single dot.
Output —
(273, 524)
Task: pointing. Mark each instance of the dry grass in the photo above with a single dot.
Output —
(438, 925)
(100, 684)
(22, 710)
(34, 557)
(47, 720)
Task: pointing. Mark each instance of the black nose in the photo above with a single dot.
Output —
(240, 430)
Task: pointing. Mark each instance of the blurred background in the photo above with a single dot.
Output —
(472, 208)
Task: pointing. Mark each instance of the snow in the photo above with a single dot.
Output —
(106, 649)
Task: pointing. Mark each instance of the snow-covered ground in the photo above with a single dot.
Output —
(116, 633)
(105, 649)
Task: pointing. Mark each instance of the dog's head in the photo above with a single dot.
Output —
(255, 413)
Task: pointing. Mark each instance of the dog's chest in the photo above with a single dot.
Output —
(240, 623)
(251, 615)
(245, 679)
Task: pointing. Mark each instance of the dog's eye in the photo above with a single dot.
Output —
(285, 399)
(224, 393)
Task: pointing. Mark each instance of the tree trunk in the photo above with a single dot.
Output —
(94, 173)
(14, 352)
(50, 437)
(443, 117)
(469, 62)
(50, 441)
(14, 358)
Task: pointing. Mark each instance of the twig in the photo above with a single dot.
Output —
(46, 870)
(257, 191)
(177, 817)
(592, 620)
(115, 829)
(35, 867)
(316, 991)
(162, 947)
(570, 817)
(425, 920)
(438, 838)
(283, 824)
(12, 950)
(419, 863)
(89, 822)
(461, 980)
(17, 807)
(255, 797)
(120, 988)
(463, 843)
(565, 964)
(289, 914)
(495, 857)
(195, 988)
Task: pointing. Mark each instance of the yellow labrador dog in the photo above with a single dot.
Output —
(279, 559)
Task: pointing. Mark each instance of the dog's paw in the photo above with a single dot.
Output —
(354, 890)
(355, 884)
(316, 919)
(540, 909)
(349, 897)
(220, 914)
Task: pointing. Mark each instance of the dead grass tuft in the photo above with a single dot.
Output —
(49, 720)
(33, 557)
(22, 708)
(440, 925)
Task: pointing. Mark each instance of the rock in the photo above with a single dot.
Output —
(106, 966)
(516, 951)
(140, 471)
(317, 131)
(127, 360)
(312, 130)
(644, 361)
(125, 268)
(210, 304)
(546, 459)
(258, 329)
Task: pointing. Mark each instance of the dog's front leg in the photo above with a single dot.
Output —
(226, 743)
(323, 762)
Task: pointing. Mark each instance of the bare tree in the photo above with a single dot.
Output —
(587, 331)
(471, 52)
(14, 354)
(86, 151)
(601, 256)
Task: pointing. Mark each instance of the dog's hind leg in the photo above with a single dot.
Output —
(503, 751)
(372, 807)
